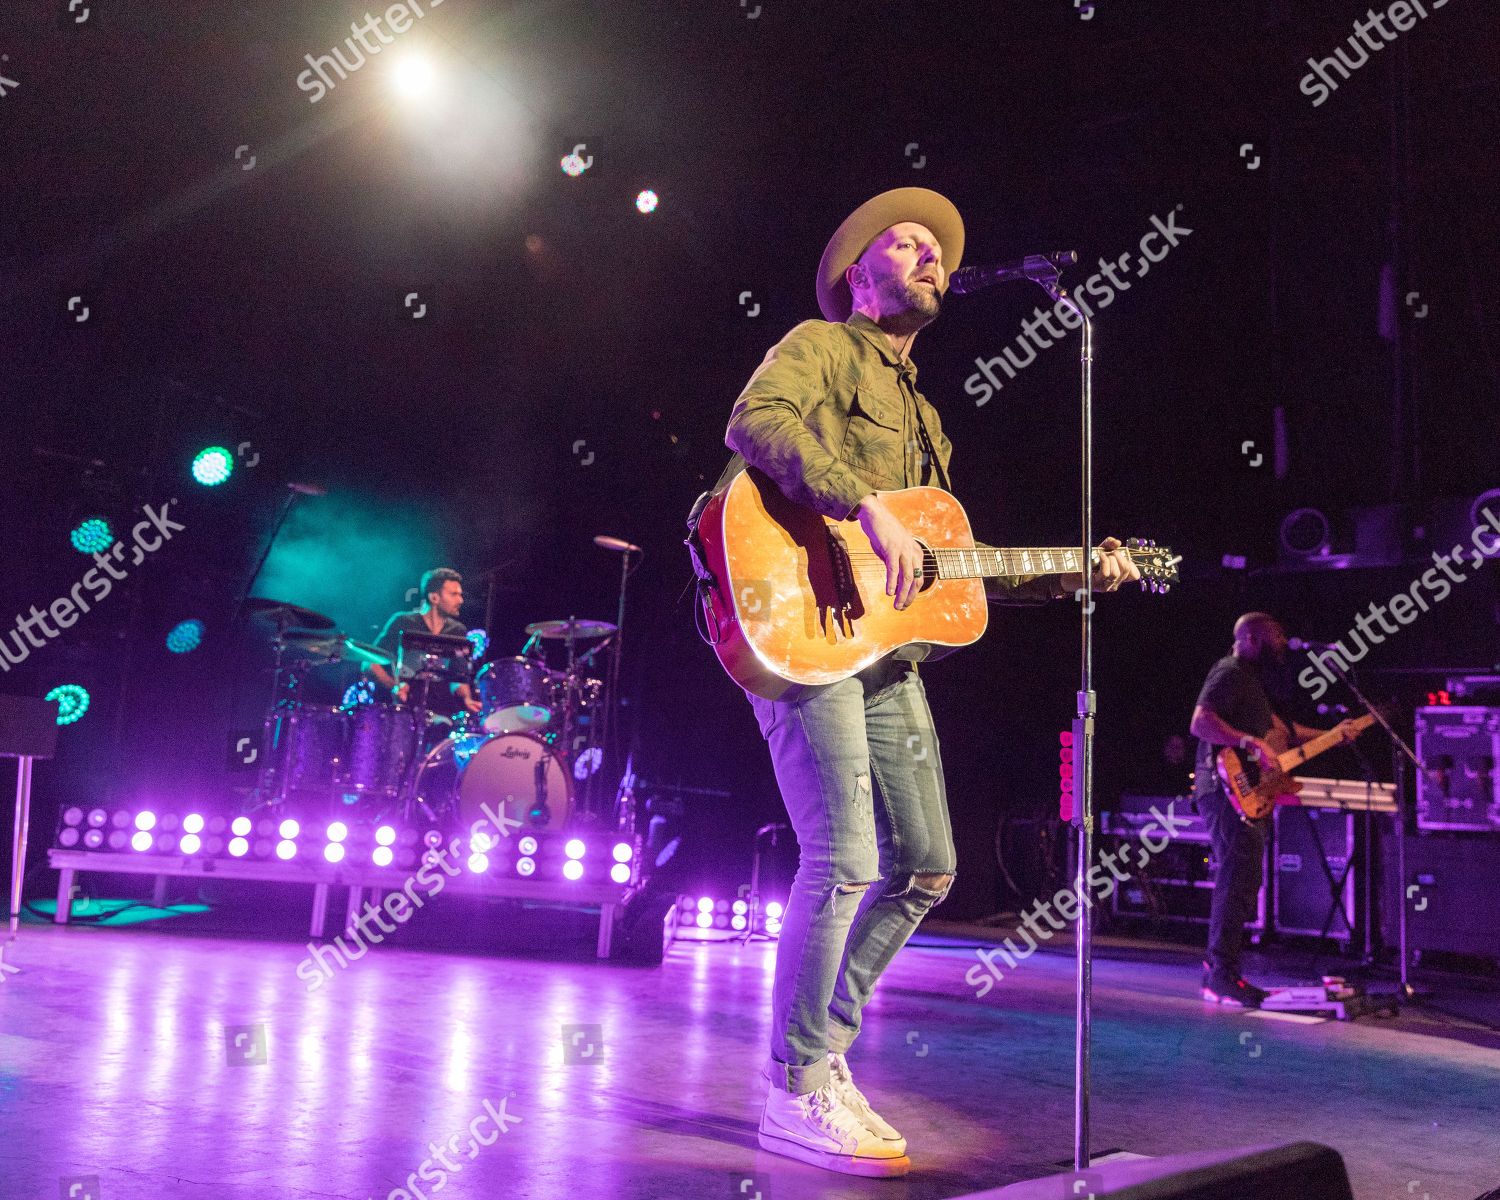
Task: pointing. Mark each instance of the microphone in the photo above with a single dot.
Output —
(1303, 644)
(614, 543)
(307, 489)
(1033, 266)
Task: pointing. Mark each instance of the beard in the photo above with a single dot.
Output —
(917, 304)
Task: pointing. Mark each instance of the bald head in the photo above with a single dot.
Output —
(1259, 637)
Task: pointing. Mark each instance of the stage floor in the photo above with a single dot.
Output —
(170, 1065)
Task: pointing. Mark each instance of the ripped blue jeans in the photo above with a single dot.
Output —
(857, 762)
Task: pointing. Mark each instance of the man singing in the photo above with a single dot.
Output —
(831, 416)
(1243, 704)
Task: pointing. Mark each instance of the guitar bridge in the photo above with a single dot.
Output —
(846, 590)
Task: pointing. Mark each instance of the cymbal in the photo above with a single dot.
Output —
(570, 629)
(336, 645)
(282, 612)
(364, 652)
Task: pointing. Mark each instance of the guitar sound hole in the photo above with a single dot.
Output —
(929, 568)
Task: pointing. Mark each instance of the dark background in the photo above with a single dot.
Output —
(264, 306)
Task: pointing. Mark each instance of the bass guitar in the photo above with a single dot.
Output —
(1255, 791)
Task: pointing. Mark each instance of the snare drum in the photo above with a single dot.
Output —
(515, 695)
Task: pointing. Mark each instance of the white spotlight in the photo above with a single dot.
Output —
(413, 76)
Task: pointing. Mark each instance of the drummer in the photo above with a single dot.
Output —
(442, 599)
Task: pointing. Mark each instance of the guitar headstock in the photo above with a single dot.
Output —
(1157, 564)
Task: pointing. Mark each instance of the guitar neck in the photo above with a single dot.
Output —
(1298, 755)
(982, 562)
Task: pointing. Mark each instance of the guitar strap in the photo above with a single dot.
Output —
(928, 447)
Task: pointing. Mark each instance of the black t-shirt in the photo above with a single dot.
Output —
(1244, 695)
(413, 621)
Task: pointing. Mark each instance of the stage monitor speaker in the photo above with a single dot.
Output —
(1305, 1170)
(1452, 893)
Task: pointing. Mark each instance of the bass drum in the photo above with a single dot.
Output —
(517, 776)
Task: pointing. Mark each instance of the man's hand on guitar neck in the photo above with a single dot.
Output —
(1115, 567)
(898, 550)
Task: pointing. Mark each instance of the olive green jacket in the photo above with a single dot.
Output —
(833, 414)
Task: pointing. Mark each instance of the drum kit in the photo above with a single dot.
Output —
(531, 749)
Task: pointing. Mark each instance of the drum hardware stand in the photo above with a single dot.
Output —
(611, 703)
(435, 654)
(773, 829)
(284, 622)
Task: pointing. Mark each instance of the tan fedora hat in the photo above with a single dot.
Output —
(869, 221)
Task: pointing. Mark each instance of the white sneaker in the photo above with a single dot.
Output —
(816, 1128)
(854, 1100)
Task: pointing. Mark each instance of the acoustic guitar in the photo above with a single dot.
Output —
(793, 597)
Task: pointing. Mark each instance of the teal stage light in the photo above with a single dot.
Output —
(92, 536)
(72, 702)
(212, 466)
(185, 636)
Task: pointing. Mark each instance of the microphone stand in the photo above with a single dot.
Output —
(1399, 748)
(1045, 276)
